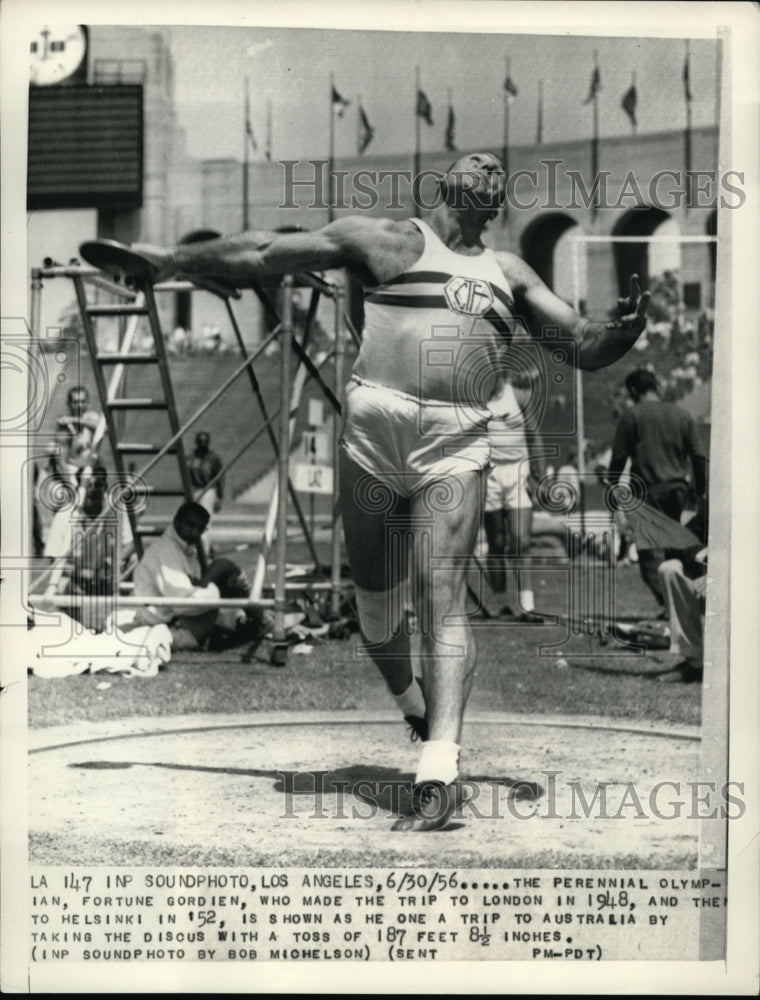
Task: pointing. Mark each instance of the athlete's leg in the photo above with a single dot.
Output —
(496, 536)
(366, 504)
(448, 653)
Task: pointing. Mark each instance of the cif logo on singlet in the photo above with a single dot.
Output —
(471, 296)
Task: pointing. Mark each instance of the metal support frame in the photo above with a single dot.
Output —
(285, 414)
(340, 316)
(283, 463)
(256, 389)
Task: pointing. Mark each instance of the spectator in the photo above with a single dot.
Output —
(170, 568)
(97, 539)
(75, 437)
(661, 441)
(683, 585)
(204, 466)
(178, 341)
(517, 466)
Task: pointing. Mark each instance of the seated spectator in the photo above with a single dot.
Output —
(683, 586)
(96, 540)
(171, 568)
(75, 437)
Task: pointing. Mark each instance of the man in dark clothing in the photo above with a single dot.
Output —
(204, 466)
(661, 441)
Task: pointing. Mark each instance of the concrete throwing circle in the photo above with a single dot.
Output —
(317, 789)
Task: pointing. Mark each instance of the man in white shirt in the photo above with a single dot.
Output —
(171, 568)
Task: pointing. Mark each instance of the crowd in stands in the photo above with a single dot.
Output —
(678, 341)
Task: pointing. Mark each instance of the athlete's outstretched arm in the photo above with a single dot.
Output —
(599, 344)
(257, 254)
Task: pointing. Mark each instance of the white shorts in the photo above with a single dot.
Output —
(505, 489)
(407, 442)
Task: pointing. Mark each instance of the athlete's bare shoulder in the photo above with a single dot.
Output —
(378, 249)
(359, 229)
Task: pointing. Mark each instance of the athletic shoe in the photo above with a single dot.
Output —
(418, 728)
(433, 805)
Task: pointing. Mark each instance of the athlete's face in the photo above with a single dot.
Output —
(477, 181)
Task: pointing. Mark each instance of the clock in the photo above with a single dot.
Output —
(56, 52)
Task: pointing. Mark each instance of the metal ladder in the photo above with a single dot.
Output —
(143, 305)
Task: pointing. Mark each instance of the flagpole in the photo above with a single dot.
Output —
(417, 139)
(595, 138)
(331, 157)
(246, 162)
(505, 136)
(687, 134)
(540, 122)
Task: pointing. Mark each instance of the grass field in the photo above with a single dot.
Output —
(512, 676)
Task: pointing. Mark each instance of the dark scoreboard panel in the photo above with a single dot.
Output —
(85, 147)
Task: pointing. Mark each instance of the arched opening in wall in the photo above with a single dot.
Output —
(183, 303)
(644, 259)
(538, 245)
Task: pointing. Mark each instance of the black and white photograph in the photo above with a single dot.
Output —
(379, 510)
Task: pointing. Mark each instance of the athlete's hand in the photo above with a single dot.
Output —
(632, 311)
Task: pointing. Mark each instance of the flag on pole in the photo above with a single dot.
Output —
(628, 103)
(339, 104)
(686, 88)
(366, 131)
(595, 87)
(510, 88)
(450, 131)
(424, 108)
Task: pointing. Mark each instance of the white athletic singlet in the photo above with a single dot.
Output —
(507, 428)
(435, 331)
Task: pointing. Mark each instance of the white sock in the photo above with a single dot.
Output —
(412, 701)
(527, 600)
(439, 761)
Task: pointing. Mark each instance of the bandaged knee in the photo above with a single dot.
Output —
(381, 612)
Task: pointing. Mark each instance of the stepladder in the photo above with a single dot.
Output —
(139, 380)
